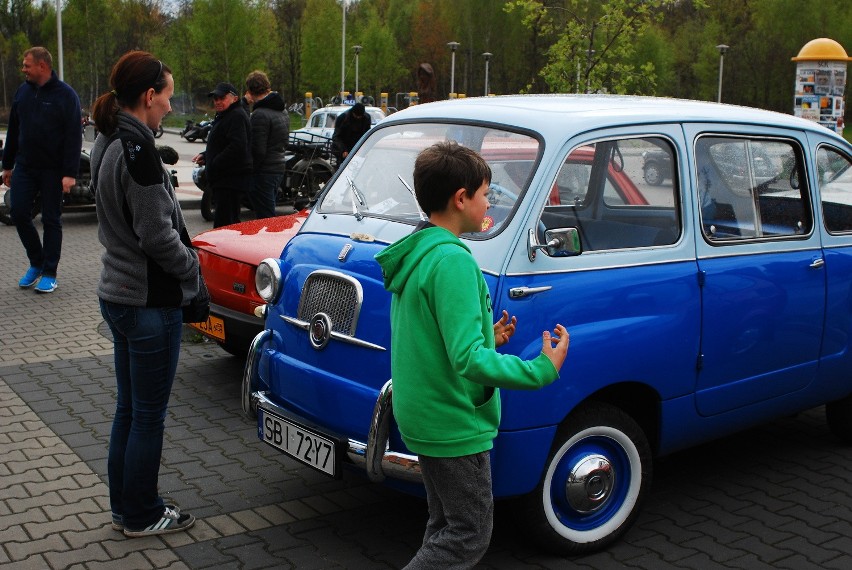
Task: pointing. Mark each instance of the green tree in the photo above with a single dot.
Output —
(595, 44)
(321, 48)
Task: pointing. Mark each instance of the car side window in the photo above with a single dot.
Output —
(751, 188)
(835, 185)
(603, 189)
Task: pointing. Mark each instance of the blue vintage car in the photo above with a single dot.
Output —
(698, 306)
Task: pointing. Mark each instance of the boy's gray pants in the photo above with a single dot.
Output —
(461, 512)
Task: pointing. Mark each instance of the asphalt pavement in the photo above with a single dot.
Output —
(777, 496)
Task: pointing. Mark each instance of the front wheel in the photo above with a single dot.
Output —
(596, 479)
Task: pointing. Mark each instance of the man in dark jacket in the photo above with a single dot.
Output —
(348, 130)
(43, 147)
(270, 128)
(228, 154)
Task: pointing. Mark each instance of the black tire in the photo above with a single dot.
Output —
(608, 455)
(652, 173)
(208, 208)
(6, 208)
(839, 417)
(239, 352)
(191, 138)
(310, 185)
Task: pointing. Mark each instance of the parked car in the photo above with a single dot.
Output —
(229, 257)
(656, 166)
(321, 121)
(709, 305)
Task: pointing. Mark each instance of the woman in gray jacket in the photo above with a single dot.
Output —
(149, 272)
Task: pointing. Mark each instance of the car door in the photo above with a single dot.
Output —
(630, 300)
(761, 268)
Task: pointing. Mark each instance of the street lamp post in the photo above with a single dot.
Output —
(345, 3)
(453, 47)
(357, 51)
(722, 49)
(487, 56)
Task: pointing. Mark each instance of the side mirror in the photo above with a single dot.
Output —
(559, 242)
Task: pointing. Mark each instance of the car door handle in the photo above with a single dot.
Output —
(817, 263)
(518, 292)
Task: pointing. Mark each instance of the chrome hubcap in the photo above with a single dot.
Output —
(590, 484)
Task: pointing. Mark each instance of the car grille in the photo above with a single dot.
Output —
(334, 294)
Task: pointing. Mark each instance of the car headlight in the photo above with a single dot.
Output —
(267, 279)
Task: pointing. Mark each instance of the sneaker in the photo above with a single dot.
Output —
(171, 521)
(118, 520)
(46, 284)
(30, 278)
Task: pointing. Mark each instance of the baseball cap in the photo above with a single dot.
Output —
(223, 89)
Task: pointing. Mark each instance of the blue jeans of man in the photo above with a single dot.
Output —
(147, 345)
(26, 184)
(264, 187)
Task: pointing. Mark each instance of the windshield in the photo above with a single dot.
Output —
(379, 182)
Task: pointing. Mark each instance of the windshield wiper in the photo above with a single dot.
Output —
(423, 216)
(358, 199)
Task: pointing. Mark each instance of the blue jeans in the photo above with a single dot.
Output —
(26, 183)
(146, 345)
(264, 187)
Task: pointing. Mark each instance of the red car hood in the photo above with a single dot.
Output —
(253, 241)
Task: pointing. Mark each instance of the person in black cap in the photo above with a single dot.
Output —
(348, 130)
(228, 154)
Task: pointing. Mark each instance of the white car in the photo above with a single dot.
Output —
(321, 121)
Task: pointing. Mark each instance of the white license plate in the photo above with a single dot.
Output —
(298, 442)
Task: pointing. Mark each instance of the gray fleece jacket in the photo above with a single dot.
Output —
(148, 260)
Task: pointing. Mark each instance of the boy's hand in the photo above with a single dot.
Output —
(557, 353)
(504, 329)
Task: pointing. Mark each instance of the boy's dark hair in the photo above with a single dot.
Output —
(443, 168)
(257, 82)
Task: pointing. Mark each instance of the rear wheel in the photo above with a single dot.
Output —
(191, 138)
(598, 474)
(208, 208)
(653, 174)
(6, 208)
(312, 182)
(839, 416)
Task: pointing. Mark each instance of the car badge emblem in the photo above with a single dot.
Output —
(239, 287)
(344, 253)
(320, 331)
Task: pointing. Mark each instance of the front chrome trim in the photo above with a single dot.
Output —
(306, 326)
(250, 371)
(390, 464)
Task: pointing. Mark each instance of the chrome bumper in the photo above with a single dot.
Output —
(374, 456)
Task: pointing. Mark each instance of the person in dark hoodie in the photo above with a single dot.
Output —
(228, 154)
(348, 130)
(150, 271)
(441, 322)
(270, 128)
(42, 156)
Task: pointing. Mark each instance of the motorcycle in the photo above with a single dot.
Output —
(81, 198)
(192, 131)
(309, 166)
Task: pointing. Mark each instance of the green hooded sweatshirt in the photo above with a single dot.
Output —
(443, 363)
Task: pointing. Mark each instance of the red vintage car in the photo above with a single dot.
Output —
(229, 257)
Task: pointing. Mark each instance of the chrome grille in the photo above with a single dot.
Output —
(335, 294)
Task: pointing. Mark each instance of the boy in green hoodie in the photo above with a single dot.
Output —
(443, 363)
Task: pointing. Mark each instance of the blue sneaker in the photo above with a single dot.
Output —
(30, 278)
(46, 284)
